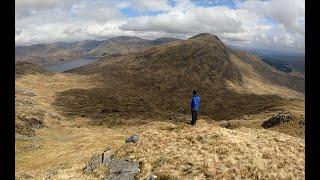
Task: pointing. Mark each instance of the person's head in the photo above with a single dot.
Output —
(194, 92)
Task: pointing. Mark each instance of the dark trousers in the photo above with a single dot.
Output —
(194, 116)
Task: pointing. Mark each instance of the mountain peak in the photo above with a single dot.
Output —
(205, 36)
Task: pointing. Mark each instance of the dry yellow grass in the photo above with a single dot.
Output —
(63, 150)
(167, 150)
(206, 151)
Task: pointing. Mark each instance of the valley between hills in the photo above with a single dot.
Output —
(251, 123)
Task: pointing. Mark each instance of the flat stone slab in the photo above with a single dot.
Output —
(122, 169)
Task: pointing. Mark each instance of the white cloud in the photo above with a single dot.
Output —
(265, 24)
(30, 7)
(96, 13)
(40, 3)
(194, 20)
(255, 23)
(150, 5)
(286, 12)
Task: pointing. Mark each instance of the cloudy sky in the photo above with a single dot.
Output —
(245, 23)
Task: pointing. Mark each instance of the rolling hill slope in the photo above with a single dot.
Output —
(158, 82)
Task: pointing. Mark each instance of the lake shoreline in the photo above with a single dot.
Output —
(64, 66)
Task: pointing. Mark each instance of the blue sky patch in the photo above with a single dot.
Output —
(211, 3)
(130, 12)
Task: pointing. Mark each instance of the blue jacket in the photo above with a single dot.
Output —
(195, 102)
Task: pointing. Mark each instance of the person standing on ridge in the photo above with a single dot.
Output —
(195, 102)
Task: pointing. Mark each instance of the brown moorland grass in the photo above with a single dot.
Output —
(103, 105)
(62, 148)
(210, 152)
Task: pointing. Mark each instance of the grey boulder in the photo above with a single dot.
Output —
(94, 163)
(133, 139)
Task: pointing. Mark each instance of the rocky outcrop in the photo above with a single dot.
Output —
(29, 114)
(25, 92)
(122, 169)
(151, 177)
(225, 124)
(279, 118)
(302, 123)
(119, 168)
(132, 139)
(33, 122)
(27, 122)
(96, 161)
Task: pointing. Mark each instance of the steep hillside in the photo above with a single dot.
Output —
(159, 80)
(126, 44)
(120, 45)
(272, 75)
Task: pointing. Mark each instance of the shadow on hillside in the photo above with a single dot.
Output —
(158, 82)
(115, 107)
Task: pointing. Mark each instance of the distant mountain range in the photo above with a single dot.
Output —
(48, 54)
(270, 52)
(286, 61)
(289, 64)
